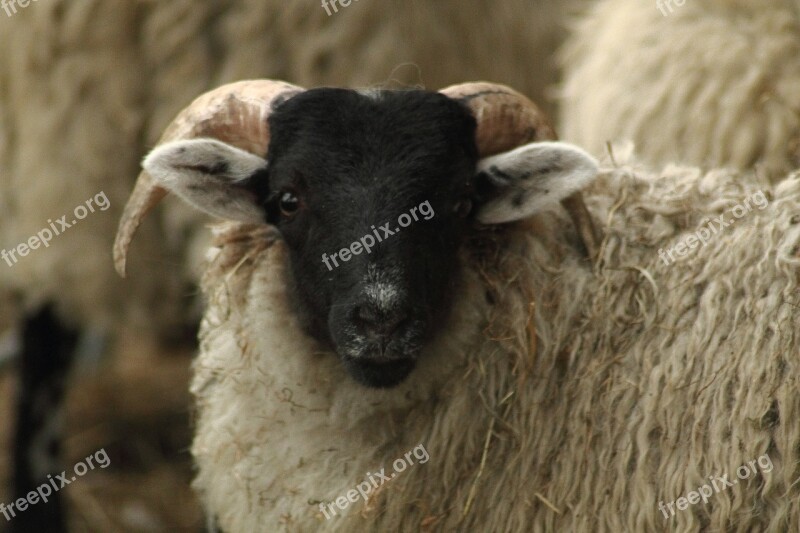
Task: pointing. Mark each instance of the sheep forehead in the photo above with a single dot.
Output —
(414, 142)
(380, 119)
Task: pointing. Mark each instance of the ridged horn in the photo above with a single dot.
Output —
(235, 113)
(507, 119)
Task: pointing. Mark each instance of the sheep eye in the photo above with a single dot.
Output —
(463, 208)
(289, 204)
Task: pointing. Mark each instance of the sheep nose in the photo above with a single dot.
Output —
(379, 324)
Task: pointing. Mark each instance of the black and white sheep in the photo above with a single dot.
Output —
(550, 392)
(86, 78)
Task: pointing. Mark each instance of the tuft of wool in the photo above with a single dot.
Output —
(713, 83)
(558, 396)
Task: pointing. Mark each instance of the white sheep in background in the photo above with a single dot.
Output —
(557, 394)
(74, 106)
(432, 43)
(712, 83)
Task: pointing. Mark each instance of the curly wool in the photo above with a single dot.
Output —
(557, 397)
(713, 83)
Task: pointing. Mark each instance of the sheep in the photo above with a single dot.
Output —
(711, 84)
(75, 91)
(556, 394)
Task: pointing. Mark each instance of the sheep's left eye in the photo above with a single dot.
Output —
(289, 204)
(463, 208)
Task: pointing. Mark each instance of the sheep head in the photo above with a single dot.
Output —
(372, 191)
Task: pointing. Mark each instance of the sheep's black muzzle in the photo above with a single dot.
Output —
(381, 351)
(380, 373)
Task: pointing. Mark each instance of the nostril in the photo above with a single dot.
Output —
(377, 323)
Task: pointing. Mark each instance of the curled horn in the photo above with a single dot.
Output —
(235, 113)
(507, 119)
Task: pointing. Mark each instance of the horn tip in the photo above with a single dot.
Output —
(120, 259)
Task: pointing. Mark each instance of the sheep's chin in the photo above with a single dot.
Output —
(380, 374)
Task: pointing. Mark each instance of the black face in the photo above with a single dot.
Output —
(346, 171)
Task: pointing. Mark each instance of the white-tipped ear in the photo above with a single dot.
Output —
(530, 178)
(210, 175)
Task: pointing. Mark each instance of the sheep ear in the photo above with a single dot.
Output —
(517, 184)
(213, 176)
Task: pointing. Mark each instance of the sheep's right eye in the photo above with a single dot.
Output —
(289, 204)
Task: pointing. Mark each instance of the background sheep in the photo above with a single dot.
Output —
(557, 396)
(713, 83)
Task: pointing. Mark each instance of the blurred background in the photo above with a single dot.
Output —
(90, 361)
